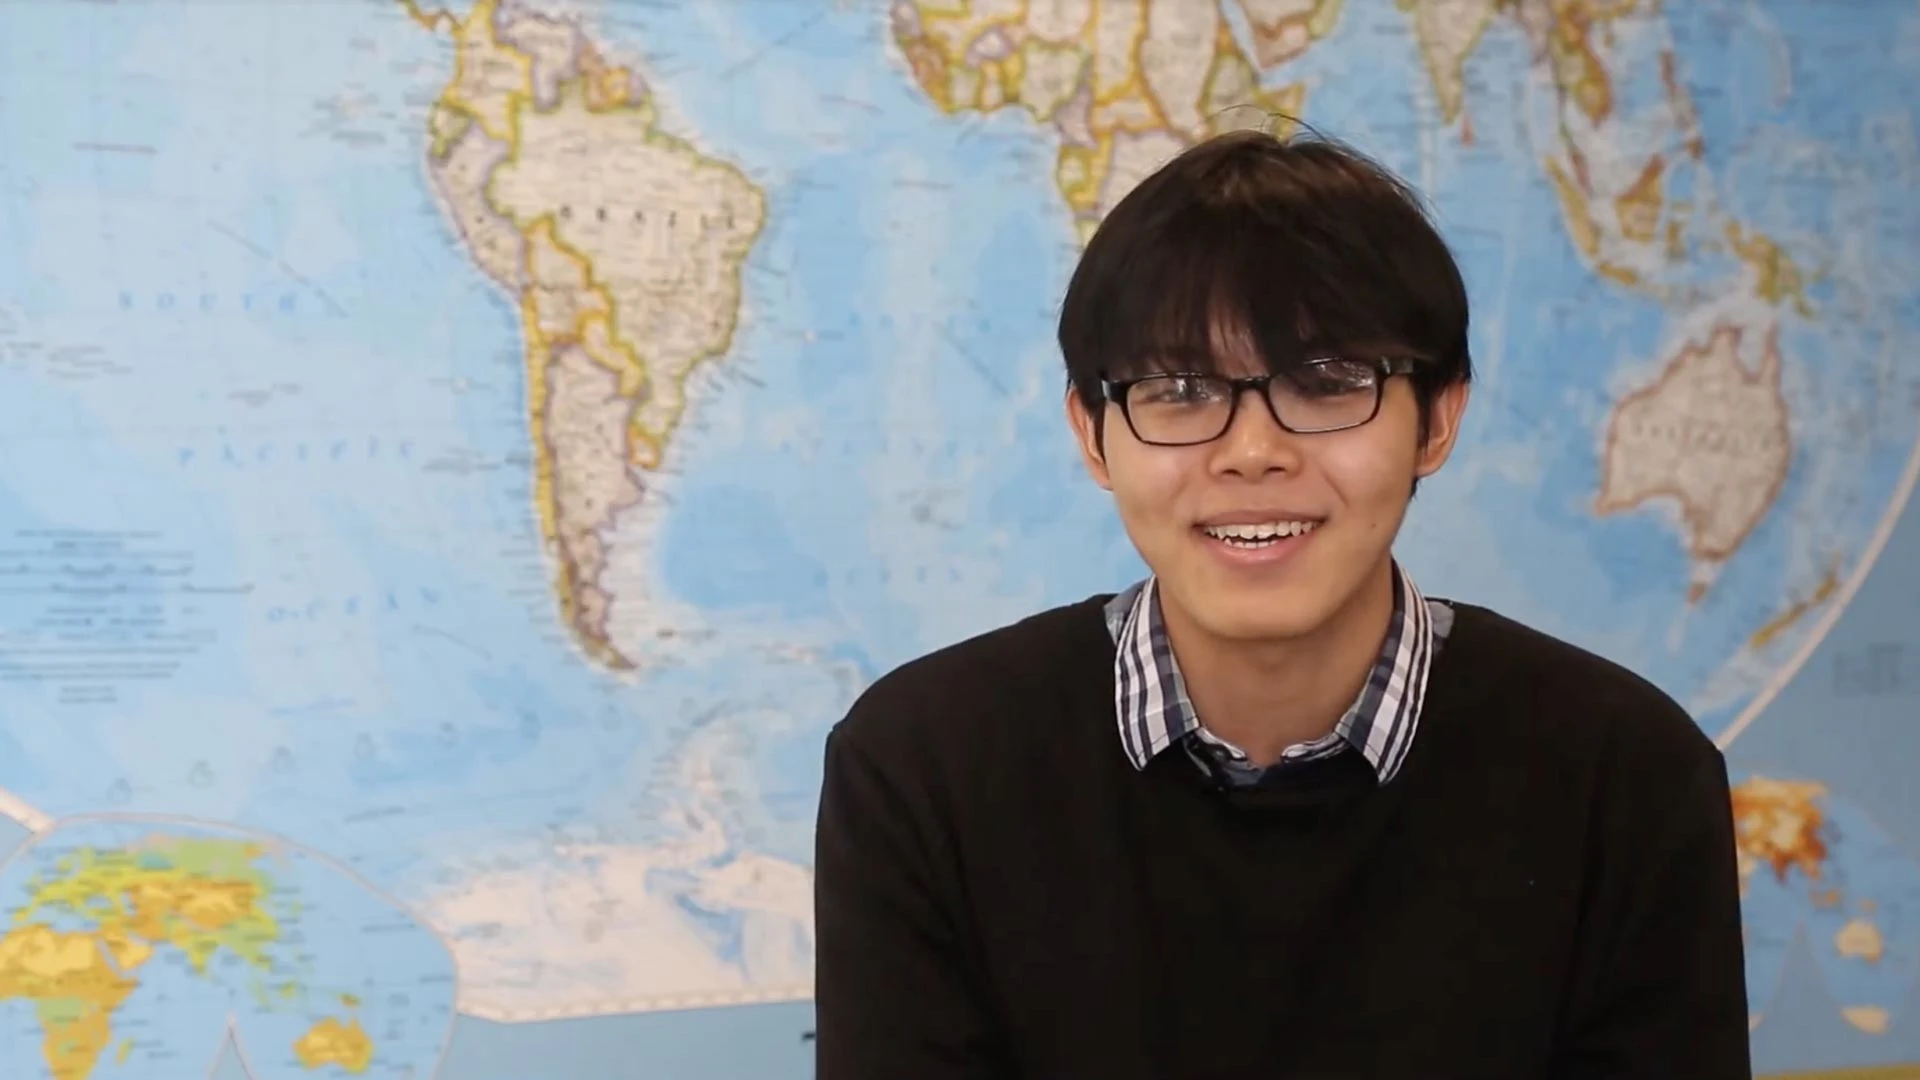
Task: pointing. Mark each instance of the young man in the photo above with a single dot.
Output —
(1272, 812)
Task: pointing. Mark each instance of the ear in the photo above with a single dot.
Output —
(1443, 428)
(1086, 435)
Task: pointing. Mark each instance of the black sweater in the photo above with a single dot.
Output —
(1548, 888)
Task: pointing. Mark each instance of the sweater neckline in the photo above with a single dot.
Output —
(1448, 689)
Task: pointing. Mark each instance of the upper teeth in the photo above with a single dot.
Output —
(1264, 531)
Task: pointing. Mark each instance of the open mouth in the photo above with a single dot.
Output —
(1263, 535)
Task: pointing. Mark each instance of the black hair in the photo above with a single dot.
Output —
(1301, 247)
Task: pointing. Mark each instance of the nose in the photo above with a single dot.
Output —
(1255, 444)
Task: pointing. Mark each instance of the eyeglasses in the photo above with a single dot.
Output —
(1186, 409)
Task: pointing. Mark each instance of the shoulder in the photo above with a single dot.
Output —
(969, 695)
(1545, 694)
(1608, 767)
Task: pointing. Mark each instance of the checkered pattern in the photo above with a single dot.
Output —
(1154, 711)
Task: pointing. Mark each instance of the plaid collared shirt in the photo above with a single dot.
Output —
(1155, 713)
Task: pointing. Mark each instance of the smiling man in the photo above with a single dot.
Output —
(1272, 812)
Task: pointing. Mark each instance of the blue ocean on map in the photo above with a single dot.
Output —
(281, 592)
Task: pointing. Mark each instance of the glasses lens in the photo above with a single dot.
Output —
(1326, 395)
(1175, 409)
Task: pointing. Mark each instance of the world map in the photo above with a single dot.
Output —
(456, 462)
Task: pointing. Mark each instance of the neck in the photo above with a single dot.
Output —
(1267, 696)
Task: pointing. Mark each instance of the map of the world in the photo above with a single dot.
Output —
(457, 461)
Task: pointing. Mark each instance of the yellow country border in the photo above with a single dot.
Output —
(646, 447)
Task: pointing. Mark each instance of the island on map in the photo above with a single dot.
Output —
(621, 248)
(1812, 865)
(1709, 435)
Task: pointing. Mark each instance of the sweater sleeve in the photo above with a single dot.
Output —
(893, 992)
(1666, 994)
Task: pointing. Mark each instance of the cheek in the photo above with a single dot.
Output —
(1372, 470)
(1147, 487)
(1373, 480)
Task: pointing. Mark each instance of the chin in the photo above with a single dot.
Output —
(1255, 614)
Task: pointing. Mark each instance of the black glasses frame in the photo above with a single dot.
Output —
(1386, 367)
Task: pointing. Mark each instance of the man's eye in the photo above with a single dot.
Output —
(1336, 377)
(1181, 390)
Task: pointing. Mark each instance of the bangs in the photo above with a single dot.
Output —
(1215, 295)
(1246, 253)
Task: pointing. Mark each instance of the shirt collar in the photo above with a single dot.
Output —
(1154, 711)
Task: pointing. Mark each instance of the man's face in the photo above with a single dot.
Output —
(1347, 489)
